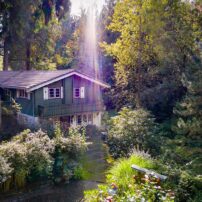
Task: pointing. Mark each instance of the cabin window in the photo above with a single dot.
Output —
(57, 92)
(54, 93)
(79, 92)
(22, 94)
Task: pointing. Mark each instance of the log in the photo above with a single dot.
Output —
(149, 172)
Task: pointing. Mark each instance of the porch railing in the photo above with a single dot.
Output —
(64, 110)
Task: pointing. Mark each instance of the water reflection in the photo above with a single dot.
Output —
(72, 192)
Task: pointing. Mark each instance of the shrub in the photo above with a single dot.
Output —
(125, 184)
(67, 151)
(132, 128)
(74, 144)
(80, 173)
(11, 109)
(188, 188)
(27, 153)
(31, 155)
(17, 158)
(5, 170)
(40, 149)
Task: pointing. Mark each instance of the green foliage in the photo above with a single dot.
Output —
(124, 184)
(30, 30)
(157, 40)
(121, 172)
(29, 156)
(74, 143)
(133, 49)
(15, 107)
(184, 149)
(132, 129)
(11, 109)
(189, 110)
(80, 173)
(67, 151)
(5, 170)
(57, 131)
(186, 188)
(28, 153)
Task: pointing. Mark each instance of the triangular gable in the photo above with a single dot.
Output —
(76, 73)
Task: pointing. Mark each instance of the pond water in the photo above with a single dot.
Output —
(94, 161)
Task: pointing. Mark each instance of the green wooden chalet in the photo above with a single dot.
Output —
(68, 96)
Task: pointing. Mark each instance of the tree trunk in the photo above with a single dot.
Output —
(6, 54)
(0, 113)
(139, 67)
(28, 55)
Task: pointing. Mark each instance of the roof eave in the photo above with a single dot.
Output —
(13, 87)
(103, 84)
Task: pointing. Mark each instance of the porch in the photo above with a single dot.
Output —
(65, 110)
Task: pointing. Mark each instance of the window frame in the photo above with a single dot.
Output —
(79, 91)
(23, 94)
(54, 93)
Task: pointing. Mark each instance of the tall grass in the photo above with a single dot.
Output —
(121, 172)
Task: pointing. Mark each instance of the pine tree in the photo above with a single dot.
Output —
(189, 111)
(26, 24)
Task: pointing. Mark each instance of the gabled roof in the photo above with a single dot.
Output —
(32, 80)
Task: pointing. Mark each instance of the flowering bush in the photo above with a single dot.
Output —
(32, 155)
(5, 169)
(74, 144)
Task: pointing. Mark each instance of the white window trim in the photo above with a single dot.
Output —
(23, 97)
(54, 89)
(82, 92)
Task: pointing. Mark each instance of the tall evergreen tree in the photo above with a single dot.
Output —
(189, 110)
(24, 22)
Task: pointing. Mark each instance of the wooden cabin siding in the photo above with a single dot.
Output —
(92, 91)
(68, 92)
(65, 110)
(92, 101)
(39, 101)
(57, 84)
(26, 105)
(69, 104)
